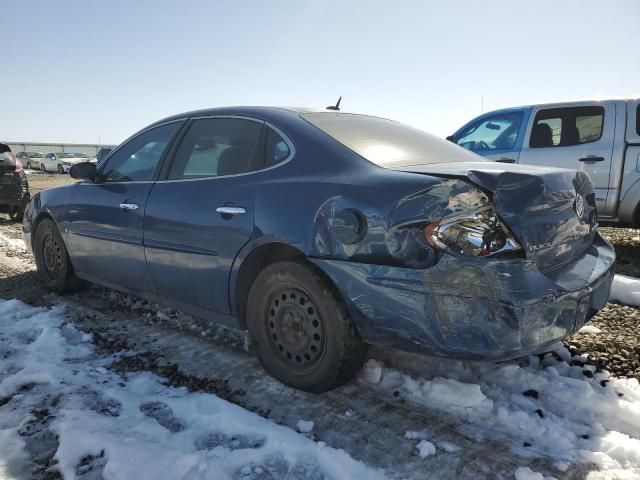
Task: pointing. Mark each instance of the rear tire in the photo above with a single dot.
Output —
(300, 329)
(52, 260)
(28, 165)
(16, 212)
(60, 169)
(43, 168)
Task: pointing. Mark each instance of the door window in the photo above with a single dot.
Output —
(216, 147)
(138, 159)
(276, 149)
(498, 132)
(564, 127)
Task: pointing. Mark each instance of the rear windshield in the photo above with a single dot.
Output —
(387, 143)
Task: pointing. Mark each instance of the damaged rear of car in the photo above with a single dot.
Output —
(489, 261)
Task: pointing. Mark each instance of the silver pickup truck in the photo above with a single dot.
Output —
(599, 137)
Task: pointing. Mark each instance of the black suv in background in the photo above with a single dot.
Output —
(14, 188)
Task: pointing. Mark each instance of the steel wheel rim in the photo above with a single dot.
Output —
(295, 328)
(52, 256)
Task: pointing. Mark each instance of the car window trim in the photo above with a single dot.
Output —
(158, 169)
(165, 172)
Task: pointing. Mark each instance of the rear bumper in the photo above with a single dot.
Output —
(474, 308)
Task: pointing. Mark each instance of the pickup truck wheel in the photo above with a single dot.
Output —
(60, 169)
(52, 260)
(300, 329)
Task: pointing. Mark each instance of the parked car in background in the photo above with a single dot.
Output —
(601, 138)
(61, 162)
(321, 232)
(30, 160)
(14, 187)
(103, 152)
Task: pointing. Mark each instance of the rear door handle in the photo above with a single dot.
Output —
(231, 211)
(129, 206)
(591, 158)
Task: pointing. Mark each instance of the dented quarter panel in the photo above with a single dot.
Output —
(474, 308)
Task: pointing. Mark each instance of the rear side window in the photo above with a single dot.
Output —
(216, 147)
(137, 160)
(564, 127)
(276, 149)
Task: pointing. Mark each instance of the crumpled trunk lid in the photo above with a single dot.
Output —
(551, 211)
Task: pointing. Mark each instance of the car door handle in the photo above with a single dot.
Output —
(231, 211)
(506, 160)
(590, 158)
(129, 206)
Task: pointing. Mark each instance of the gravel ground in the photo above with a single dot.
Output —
(615, 349)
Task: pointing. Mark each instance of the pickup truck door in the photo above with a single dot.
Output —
(579, 136)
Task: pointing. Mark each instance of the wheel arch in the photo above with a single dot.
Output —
(629, 209)
(257, 260)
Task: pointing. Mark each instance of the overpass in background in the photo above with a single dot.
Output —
(88, 148)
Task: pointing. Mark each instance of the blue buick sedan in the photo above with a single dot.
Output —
(321, 232)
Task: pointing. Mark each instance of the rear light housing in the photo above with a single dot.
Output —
(479, 233)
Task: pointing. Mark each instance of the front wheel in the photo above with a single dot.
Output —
(43, 168)
(52, 260)
(28, 165)
(300, 329)
(60, 169)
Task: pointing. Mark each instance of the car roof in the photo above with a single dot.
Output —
(261, 112)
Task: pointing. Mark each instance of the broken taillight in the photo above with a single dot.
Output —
(480, 233)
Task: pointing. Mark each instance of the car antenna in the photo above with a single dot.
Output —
(335, 107)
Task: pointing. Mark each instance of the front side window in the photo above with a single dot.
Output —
(638, 120)
(564, 127)
(137, 160)
(498, 132)
(216, 147)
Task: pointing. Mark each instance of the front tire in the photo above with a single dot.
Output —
(60, 169)
(300, 329)
(43, 168)
(52, 260)
(28, 165)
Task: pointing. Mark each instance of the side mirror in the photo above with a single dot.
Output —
(451, 139)
(83, 171)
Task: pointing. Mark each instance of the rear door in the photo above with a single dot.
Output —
(579, 137)
(202, 214)
(496, 135)
(105, 218)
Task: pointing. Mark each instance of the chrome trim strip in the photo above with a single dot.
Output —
(177, 247)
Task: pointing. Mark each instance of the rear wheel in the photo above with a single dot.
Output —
(42, 167)
(29, 165)
(16, 212)
(300, 329)
(60, 169)
(52, 260)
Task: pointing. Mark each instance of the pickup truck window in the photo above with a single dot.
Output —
(563, 127)
(497, 132)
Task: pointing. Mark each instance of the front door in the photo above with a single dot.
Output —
(105, 218)
(199, 218)
(576, 137)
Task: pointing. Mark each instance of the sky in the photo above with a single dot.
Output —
(93, 71)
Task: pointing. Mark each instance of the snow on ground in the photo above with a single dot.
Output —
(54, 384)
(545, 408)
(12, 243)
(625, 290)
